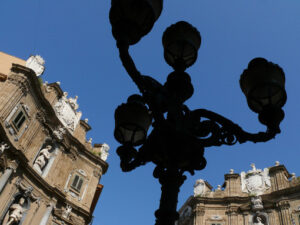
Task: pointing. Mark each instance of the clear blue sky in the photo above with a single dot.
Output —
(75, 39)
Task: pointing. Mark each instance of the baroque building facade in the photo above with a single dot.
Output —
(49, 172)
(258, 197)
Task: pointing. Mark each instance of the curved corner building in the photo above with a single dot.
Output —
(49, 172)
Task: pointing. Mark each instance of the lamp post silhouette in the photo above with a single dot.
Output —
(179, 135)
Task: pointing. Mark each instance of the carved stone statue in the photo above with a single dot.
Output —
(73, 102)
(42, 160)
(3, 147)
(253, 167)
(199, 187)
(259, 221)
(36, 63)
(104, 152)
(15, 212)
(65, 96)
(67, 211)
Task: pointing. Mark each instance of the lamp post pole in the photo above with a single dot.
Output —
(179, 136)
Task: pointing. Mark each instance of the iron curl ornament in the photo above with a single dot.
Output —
(179, 135)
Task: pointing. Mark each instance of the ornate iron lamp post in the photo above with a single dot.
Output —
(176, 128)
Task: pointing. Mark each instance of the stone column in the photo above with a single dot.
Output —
(198, 212)
(234, 218)
(271, 216)
(284, 212)
(47, 214)
(232, 215)
(7, 173)
(245, 218)
(4, 178)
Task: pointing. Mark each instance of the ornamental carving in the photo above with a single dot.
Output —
(40, 116)
(255, 181)
(257, 203)
(3, 147)
(21, 82)
(66, 111)
(216, 217)
(104, 151)
(67, 211)
(97, 172)
(59, 133)
(199, 187)
(36, 63)
(72, 154)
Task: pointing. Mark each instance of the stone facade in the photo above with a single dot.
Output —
(258, 197)
(49, 172)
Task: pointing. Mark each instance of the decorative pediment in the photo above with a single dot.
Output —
(255, 181)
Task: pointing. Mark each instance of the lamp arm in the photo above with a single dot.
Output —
(149, 87)
(129, 65)
(224, 131)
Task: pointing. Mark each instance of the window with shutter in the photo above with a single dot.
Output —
(77, 183)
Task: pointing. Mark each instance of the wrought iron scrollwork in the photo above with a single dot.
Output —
(215, 130)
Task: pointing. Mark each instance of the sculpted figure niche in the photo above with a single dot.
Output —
(3, 147)
(259, 221)
(15, 212)
(42, 159)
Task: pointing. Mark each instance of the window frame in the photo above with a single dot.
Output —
(75, 187)
(15, 115)
(12, 125)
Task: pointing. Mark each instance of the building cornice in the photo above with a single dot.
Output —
(85, 125)
(270, 198)
(233, 175)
